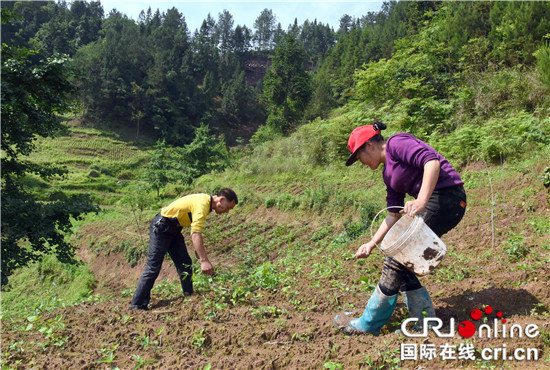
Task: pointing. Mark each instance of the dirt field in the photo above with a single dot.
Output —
(289, 326)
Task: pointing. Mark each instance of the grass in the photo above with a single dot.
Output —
(45, 285)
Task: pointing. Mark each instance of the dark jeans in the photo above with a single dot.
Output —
(443, 212)
(164, 237)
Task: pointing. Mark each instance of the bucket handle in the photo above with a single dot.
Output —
(374, 219)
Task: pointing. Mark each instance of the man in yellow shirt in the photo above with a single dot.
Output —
(165, 237)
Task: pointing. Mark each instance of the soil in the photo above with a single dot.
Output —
(177, 332)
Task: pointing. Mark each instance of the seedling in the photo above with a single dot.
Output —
(141, 362)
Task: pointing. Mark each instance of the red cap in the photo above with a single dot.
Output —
(357, 138)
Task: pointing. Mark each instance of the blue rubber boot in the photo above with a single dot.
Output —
(377, 313)
(420, 305)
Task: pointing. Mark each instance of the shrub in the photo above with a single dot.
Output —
(543, 63)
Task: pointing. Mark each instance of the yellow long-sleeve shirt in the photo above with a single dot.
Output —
(190, 210)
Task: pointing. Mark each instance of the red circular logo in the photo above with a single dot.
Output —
(475, 314)
(466, 329)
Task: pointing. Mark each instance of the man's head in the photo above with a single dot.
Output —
(224, 201)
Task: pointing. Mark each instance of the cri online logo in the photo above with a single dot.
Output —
(467, 328)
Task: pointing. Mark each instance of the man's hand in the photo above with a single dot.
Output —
(198, 244)
(365, 250)
(207, 268)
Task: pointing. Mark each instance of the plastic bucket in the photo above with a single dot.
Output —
(413, 244)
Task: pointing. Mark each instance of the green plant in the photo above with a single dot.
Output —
(45, 285)
(267, 312)
(51, 329)
(137, 200)
(515, 248)
(239, 295)
(146, 342)
(333, 366)
(167, 289)
(35, 92)
(266, 276)
(109, 352)
(141, 362)
(541, 309)
(132, 253)
(200, 339)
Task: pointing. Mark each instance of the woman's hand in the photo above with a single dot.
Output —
(365, 250)
(413, 207)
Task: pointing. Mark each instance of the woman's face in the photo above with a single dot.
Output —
(369, 156)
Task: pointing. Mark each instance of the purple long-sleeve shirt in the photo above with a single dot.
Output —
(405, 159)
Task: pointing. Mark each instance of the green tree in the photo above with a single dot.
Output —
(33, 96)
(206, 153)
(239, 102)
(265, 29)
(242, 38)
(287, 85)
(163, 167)
(224, 29)
(68, 27)
(517, 29)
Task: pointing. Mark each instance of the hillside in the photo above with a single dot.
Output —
(285, 267)
(135, 114)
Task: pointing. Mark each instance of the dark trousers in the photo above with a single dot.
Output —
(443, 212)
(164, 237)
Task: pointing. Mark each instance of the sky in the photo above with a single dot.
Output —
(245, 12)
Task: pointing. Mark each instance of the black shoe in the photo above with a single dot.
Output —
(187, 294)
(138, 307)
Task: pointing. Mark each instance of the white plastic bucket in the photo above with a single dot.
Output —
(413, 244)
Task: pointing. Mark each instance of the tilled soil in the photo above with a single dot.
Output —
(178, 332)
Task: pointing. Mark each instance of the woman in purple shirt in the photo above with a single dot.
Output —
(410, 167)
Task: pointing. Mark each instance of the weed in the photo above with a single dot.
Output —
(454, 269)
(515, 248)
(266, 277)
(301, 337)
(239, 295)
(200, 339)
(317, 199)
(167, 289)
(133, 254)
(146, 342)
(368, 282)
(267, 312)
(51, 329)
(141, 362)
(270, 202)
(322, 233)
(287, 202)
(541, 309)
(541, 225)
(59, 284)
(333, 366)
(109, 352)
